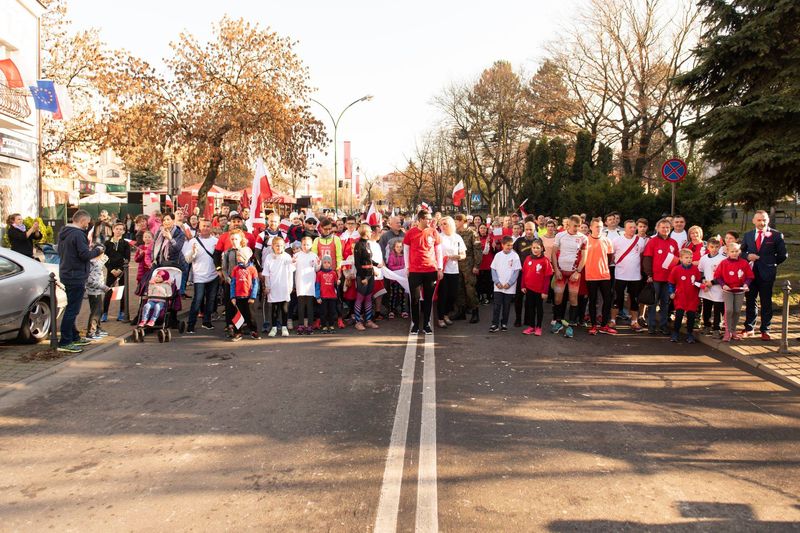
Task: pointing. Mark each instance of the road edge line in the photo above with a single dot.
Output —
(427, 491)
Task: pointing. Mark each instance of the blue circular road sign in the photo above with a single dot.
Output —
(673, 170)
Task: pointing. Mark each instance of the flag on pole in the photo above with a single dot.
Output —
(459, 193)
(260, 190)
(168, 202)
(238, 319)
(425, 206)
(44, 96)
(65, 111)
(521, 208)
(374, 217)
(153, 197)
(117, 293)
(11, 72)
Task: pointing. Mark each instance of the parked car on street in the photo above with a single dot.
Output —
(25, 297)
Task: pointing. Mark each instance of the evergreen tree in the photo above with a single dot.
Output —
(746, 87)
(583, 154)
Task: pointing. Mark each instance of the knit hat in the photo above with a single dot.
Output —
(327, 257)
(163, 273)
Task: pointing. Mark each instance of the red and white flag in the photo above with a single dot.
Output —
(153, 197)
(521, 208)
(425, 206)
(65, 110)
(284, 225)
(168, 202)
(117, 293)
(259, 192)
(374, 217)
(459, 193)
(238, 320)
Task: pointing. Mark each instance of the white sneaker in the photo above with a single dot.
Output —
(284, 331)
(272, 332)
(289, 324)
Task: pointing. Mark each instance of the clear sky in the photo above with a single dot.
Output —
(403, 52)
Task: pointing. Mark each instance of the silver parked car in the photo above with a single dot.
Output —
(25, 297)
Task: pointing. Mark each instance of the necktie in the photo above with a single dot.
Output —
(758, 240)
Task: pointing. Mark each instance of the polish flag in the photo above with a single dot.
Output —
(284, 225)
(153, 197)
(168, 201)
(117, 293)
(259, 192)
(374, 218)
(521, 208)
(238, 320)
(459, 193)
(65, 110)
(425, 206)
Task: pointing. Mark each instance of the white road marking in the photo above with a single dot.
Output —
(388, 506)
(427, 497)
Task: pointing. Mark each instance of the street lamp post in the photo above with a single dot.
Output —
(336, 146)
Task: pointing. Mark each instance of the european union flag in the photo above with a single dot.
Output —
(44, 96)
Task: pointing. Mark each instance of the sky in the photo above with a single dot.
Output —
(403, 53)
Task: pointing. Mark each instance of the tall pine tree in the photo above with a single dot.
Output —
(746, 87)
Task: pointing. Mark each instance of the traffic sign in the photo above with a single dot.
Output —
(673, 170)
(476, 199)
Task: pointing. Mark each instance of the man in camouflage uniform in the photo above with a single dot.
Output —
(467, 298)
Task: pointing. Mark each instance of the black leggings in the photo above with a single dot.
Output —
(604, 287)
(534, 309)
(305, 310)
(328, 312)
(484, 285)
(276, 309)
(428, 282)
(448, 290)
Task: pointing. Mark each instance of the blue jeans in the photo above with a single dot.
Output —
(74, 301)
(661, 288)
(203, 291)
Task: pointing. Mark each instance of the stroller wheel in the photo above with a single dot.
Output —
(181, 326)
(161, 335)
(168, 336)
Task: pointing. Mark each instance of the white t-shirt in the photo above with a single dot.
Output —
(305, 273)
(568, 247)
(505, 264)
(708, 265)
(279, 277)
(613, 234)
(452, 245)
(630, 269)
(203, 269)
(679, 237)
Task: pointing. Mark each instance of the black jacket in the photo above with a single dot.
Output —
(75, 254)
(20, 242)
(117, 253)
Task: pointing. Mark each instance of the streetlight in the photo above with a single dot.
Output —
(336, 146)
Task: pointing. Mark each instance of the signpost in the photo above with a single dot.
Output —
(674, 171)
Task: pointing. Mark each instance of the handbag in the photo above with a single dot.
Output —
(647, 296)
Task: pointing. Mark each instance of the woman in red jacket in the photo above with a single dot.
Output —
(484, 285)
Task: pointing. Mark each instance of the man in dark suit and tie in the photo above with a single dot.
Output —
(765, 249)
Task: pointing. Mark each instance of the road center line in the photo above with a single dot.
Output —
(427, 497)
(388, 506)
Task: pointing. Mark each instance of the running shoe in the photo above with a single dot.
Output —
(537, 332)
(503, 327)
(190, 331)
(528, 331)
(690, 339)
(556, 327)
(414, 329)
(674, 337)
(272, 332)
(207, 326)
(360, 327)
(104, 317)
(608, 330)
(300, 330)
(593, 330)
(81, 341)
(69, 348)
(372, 325)
(284, 331)
(254, 335)
(120, 317)
(236, 337)
(341, 324)
(569, 333)
(765, 336)
(102, 333)
(427, 329)
(494, 329)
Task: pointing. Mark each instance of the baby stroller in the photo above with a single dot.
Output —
(168, 315)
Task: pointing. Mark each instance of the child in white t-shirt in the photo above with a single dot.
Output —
(306, 264)
(711, 293)
(506, 267)
(278, 272)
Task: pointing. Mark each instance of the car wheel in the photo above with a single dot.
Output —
(37, 322)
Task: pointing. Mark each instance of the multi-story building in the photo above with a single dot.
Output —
(19, 121)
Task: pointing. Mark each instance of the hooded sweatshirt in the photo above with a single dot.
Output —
(75, 254)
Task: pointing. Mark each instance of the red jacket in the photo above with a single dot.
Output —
(536, 273)
(663, 254)
(244, 282)
(682, 282)
(735, 273)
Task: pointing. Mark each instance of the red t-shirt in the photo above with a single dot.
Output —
(224, 242)
(665, 255)
(327, 282)
(488, 256)
(422, 249)
(687, 294)
(734, 273)
(536, 273)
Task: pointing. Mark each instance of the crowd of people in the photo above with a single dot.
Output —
(310, 274)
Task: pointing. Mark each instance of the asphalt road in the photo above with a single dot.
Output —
(492, 432)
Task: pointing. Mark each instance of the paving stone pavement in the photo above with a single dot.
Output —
(764, 355)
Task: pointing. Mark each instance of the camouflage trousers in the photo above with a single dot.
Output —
(467, 296)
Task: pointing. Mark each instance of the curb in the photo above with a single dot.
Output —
(725, 348)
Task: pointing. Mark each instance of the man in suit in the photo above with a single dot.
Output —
(765, 249)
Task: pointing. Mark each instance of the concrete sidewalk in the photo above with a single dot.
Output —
(764, 355)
